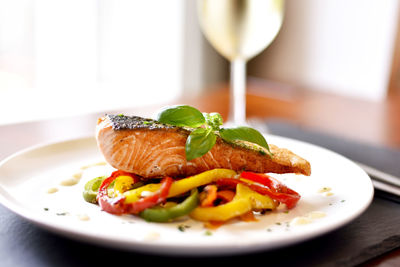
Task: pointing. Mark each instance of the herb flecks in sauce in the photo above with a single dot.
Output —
(183, 227)
(326, 191)
(208, 233)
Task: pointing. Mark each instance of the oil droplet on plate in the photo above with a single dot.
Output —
(101, 163)
(83, 217)
(316, 214)
(77, 175)
(69, 182)
(324, 189)
(301, 220)
(52, 190)
(152, 236)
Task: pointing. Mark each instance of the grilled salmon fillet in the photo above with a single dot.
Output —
(151, 149)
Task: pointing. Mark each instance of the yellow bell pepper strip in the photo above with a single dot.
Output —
(117, 206)
(207, 177)
(154, 199)
(258, 201)
(165, 214)
(91, 187)
(124, 183)
(110, 205)
(222, 212)
(275, 190)
(244, 201)
(290, 198)
(183, 185)
(135, 194)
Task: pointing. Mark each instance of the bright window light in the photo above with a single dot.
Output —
(69, 57)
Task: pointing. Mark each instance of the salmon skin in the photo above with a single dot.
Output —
(151, 150)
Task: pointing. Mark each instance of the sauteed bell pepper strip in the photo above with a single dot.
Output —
(225, 195)
(154, 199)
(124, 173)
(91, 189)
(183, 185)
(263, 179)
(282, 193)
(208, 196)
(124, 183)
(207, 177)
(290, 198)
(268, 181)
(165, 214)
(258, 201)
(135, 194)
(117, 206)
(244, 201)
(110, 205)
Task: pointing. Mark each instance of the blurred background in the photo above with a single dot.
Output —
(70, 57)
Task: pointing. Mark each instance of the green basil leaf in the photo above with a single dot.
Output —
(199, 142)
(181, 115)
(245, 134)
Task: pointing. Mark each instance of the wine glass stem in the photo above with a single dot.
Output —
(238, 92)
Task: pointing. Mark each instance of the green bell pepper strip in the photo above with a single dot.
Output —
(91, 189)
(160, 214)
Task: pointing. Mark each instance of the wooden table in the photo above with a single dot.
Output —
(371, 122)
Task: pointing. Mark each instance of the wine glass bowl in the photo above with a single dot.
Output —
(239, 30)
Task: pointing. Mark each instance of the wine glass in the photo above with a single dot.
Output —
(239, 30)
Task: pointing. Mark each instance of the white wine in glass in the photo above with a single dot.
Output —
(239, 30)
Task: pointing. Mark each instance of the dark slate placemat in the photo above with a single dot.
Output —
(372, 234)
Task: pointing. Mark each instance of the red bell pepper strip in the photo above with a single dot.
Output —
(152, 200)
(113, 206)
(261, 179)
(268, 181)
(117, 205)
(289, 198)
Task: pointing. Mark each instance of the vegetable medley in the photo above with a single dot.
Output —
(213, 196)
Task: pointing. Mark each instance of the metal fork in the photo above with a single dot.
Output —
(381, 180)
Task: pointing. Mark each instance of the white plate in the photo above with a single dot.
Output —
(26, 176)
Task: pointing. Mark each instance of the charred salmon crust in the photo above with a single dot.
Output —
(152, 149)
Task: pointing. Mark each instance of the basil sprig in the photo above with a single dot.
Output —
(182, 115)
(199, 142)
(243, 133)
(207, 127)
